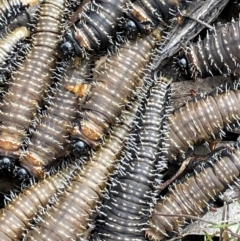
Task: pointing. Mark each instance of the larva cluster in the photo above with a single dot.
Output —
(31, 80)
(192, 196)
(17, 216)
(116, 77)
(126, 209)
(69, 218)
(49, 140)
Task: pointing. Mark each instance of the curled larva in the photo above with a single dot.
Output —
(116, 77)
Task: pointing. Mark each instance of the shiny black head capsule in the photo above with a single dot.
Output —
(7, 163)
(79, 148)
(22, 174)
(131, 30)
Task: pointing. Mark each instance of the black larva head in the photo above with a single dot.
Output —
(79, 148)
(66, 49)
(182, 63)
(22, 174)
(69, 47)
(6, 163)
(131, 30)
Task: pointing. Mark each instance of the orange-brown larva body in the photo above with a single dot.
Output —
(117, 77)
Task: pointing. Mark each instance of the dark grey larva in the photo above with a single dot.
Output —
(94, 28)
(217, 54)
(201, 120)
(126, 209)
(10, 9)
(193, 195)
(145, 15)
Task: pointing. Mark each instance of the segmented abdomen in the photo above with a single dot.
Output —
(116, 79)
(31, 80)
(18, 214)
(70, 216)
(125, 211)
(217, 54)
(192, 196)
(50, 138)
(9, 43)
(95, 27)
(10, 9)
(10, 55)
(201, 120)
(147, 14)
